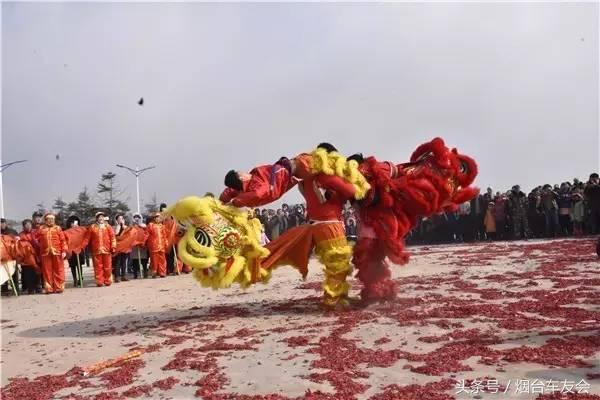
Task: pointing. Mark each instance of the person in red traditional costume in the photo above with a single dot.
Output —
(103, 244)
(53, 249)
(75, 260)
(157, 243)
(29, 267)
(325, 196)
(380, 233)
(139, 253)
(38, 221)
(262, 185)
(170, 225)
(120, 260)
(435, 180)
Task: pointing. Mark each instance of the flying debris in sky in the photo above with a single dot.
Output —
(141, 101)
(57, 157)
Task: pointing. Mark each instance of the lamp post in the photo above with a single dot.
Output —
(2, 168)
(137, 172)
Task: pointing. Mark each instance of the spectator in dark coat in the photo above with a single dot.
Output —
(283, 221)
(550, 210)
(500, 213)
(517, 211)
(476, 220)
(592, 196)
(272, 225)
(565, 205)
(534, 213)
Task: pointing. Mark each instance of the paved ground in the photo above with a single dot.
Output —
(487, 321)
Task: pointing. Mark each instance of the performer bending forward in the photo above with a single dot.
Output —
(325, 196)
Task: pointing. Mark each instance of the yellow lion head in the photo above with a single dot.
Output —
(221, 243)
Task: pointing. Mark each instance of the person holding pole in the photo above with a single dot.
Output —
(38, 222)
(139, 254)
(76, 260)
(120, 260)
(170, 253)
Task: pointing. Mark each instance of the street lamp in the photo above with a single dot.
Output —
(2, 168)
(137, 172)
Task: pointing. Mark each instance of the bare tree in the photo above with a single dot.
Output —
(111, 194)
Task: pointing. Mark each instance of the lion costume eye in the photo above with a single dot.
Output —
(202, 237)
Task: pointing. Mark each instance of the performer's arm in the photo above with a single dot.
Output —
(268, 183)
(227, 195)
(257, 195)
(337, 184)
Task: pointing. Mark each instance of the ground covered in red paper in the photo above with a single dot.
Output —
(485, 321)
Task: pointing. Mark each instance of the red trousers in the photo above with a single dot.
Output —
(103, 269)
(53, 271)
(158, 263)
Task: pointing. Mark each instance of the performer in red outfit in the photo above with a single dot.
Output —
(325, 196)
(437, 179)
(261, 186)
(380, 233)
(37, 222)
(186, 269)
(157, 244)
(53, 249)
(103, 243)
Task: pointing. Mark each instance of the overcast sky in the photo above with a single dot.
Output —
(238, 85)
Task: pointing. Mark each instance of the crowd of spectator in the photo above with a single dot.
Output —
(275, 222)
(548, 211)
(134, 264)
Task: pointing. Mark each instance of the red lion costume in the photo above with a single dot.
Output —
(436, 179)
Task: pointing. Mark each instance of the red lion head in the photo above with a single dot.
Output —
(439, 179)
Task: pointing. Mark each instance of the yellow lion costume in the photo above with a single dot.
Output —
(221, 242)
